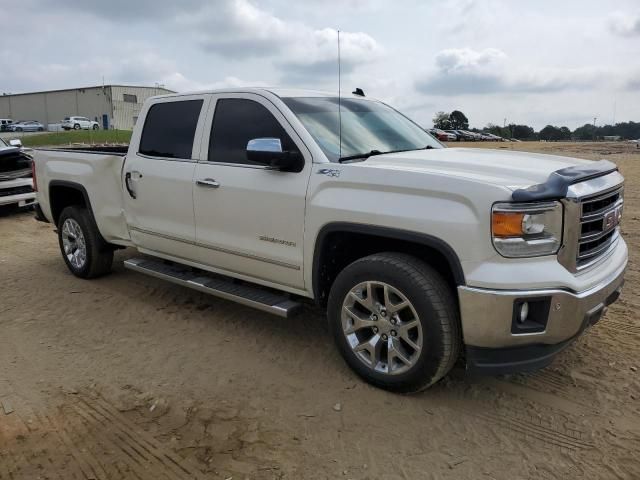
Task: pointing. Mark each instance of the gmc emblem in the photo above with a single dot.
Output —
(612, 219)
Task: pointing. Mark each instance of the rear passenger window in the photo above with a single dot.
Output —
(236, 121)
(170, 128)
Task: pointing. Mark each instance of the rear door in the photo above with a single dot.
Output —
(249, 218)
(158, 177)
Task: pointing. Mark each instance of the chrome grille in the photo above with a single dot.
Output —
(592, 211)
(599, 219)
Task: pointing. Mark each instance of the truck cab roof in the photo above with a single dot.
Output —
(277, 91)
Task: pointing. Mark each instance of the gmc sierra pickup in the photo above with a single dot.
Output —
(417, 252)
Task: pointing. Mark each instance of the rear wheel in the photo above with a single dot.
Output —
(76, 126)
(395, 321)
(85, 252)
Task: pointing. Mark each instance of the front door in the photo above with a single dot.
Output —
(249, 218)
(158, 178)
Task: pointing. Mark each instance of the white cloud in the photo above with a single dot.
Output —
(626, 25)
(468, 71)
(238, 29)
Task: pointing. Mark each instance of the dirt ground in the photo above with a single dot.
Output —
(131, 377)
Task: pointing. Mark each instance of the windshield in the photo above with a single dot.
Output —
(366, 126)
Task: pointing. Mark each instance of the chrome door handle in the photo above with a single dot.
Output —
(207, 182)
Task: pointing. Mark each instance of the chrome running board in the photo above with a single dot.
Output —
(252, 296)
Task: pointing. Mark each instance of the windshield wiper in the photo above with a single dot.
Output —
(378, 152)
(361, 155)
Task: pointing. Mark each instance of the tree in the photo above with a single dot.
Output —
(585, 132)
(522, 132)
(565, 133)
(458, 120)
(441, 121)
(550, 133)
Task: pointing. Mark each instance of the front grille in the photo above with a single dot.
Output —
(599, 218)
(8, 192)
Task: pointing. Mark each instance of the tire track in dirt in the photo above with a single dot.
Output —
(620, 327)
(135, 438)
(83, 438)
(544, 430)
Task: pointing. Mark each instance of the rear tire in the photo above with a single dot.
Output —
(83, 249)
(399, 348)
(76, 126)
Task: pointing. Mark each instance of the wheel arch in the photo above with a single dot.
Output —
(63, 193)
(334, 250)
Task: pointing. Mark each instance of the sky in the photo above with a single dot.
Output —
(535, 63)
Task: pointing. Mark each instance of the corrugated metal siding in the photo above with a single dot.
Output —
(126, 113)
(52, 107)
(91, 102)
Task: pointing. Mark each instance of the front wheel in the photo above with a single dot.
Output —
(85, 252)
(395, 321)
(76, 127)
(95, 127)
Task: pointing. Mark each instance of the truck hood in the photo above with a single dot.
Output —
(14, 164)
(509, 169)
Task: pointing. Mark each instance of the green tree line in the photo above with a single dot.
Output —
(457, 120)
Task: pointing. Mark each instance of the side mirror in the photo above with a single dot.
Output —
(268, 151)
(15, 143)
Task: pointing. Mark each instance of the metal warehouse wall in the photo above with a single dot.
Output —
(125, 114)
(52, 107)
(105, 104)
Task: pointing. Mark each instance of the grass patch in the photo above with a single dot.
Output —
(77, 136)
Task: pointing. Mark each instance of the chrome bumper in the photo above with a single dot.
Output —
(22, 199)
(487, 315)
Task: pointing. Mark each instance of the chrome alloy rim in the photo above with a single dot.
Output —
(75, 248)
(382, 327)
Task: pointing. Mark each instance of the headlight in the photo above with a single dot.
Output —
(526, 229)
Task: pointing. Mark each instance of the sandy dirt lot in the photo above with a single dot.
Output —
(130, 377)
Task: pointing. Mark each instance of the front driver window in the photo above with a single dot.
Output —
(235, 122)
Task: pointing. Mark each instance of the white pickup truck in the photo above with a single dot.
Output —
(417, 252)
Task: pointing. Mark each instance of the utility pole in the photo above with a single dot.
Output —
(594, 128)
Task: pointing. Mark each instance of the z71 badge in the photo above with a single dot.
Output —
(329, 172)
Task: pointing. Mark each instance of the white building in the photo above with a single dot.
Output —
(112, 106)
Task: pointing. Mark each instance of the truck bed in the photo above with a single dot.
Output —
(97, 170)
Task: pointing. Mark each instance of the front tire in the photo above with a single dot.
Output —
(76, 127)
(395, 321)
(85, 252)
(95, 127)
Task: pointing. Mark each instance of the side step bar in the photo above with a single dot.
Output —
(217, 285)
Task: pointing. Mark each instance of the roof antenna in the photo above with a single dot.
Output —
(339, 103)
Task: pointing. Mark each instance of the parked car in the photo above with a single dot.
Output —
(4, 124)
(16, 183)
(415, 251)
(77, 123)
(442, 135)
(465, 135)
(26, 126)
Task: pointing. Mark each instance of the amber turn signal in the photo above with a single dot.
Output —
(507, 224)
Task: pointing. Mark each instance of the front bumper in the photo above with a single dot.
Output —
(496, 344)
(22, 200)
(9, 192)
